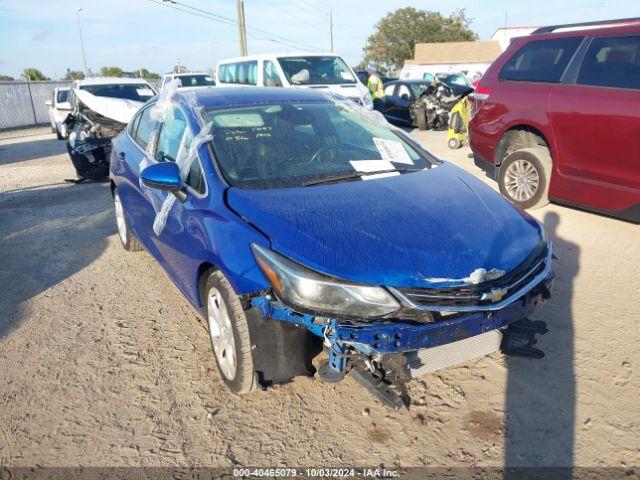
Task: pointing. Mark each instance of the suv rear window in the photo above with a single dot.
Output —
(541, 60)
(612, 62)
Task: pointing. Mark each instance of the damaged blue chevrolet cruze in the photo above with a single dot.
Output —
(294, 221)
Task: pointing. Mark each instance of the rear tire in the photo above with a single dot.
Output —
(127, 238)
(454, 143)
(229, 333)
(524, 177)
(58, 134)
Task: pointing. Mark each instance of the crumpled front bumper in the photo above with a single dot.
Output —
(397, 337)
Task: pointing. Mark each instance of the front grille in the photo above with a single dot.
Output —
(470, 295)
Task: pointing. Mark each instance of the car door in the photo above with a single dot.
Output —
(596, 125)
(129, 153)
(396, 107)
(168, 240)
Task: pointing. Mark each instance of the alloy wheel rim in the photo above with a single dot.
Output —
(522, 180)
(221, 332)
(122, 226)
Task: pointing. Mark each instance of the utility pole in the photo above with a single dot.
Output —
(331, 28)
(84, 57)
(242, 30)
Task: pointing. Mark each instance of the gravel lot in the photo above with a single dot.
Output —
(103, 363)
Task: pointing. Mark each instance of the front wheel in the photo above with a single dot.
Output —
(421, 118)
(524, 177)
(229, 332)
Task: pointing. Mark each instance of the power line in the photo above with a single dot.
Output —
(230, 21)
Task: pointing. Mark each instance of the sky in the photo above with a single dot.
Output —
(148, 34)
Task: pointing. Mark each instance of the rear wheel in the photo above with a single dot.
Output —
(128, 240)
(229, 332)
(524, 177)
(454, 143)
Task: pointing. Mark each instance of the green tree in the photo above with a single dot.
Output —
(396, 35)
(110, 72)
(33, 74)
(6, 78)
(144, 73)
(74, 75)
(180, 69)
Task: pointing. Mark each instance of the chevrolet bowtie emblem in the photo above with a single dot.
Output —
(495, 295)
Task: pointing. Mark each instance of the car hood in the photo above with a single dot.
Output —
(430, 228)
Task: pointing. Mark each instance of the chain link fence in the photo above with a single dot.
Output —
(22, 104)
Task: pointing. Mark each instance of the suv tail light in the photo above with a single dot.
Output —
(482, 93)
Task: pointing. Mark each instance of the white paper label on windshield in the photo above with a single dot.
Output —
(392, 151)
(144, 92)
(373, 166)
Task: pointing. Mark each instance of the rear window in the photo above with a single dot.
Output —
(241, 73)
(612, 62)
(63, 96)
(541, 61)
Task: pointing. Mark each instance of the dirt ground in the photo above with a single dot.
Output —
(103, 363)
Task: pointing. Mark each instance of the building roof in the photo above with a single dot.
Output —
(457, 52)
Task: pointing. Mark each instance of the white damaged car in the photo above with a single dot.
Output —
(100, 109)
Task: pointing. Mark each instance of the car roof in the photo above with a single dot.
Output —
(595, 30)
(247, 96)
(408, 80)
(110, 81)
(279, 55)
(184, 74)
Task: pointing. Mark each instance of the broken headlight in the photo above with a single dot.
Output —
(301, 287)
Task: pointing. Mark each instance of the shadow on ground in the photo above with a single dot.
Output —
(36, 148)
(47, 235)
(541, 394)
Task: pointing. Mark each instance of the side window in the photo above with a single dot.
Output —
(144, 125)
(612, 62)
(172, 137)
(242, 73)
(388, 90)
(270, 75)
(541, 61)
(403, 91)
(133, 125)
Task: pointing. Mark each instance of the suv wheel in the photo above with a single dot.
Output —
(129, 241)
(229, 332)
(524, 177)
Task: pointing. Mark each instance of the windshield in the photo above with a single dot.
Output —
(454, 79)
(316, 70)
(195, 80)
(139, 92)
(63, 96)
(418, 88)
(291, 145)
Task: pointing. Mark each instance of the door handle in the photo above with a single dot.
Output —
(122, 155)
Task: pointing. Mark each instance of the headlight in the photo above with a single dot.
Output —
(367, 101)
(300, 287)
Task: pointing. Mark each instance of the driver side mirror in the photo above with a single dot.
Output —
(164, 176)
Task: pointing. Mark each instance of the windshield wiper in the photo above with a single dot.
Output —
(357, 174)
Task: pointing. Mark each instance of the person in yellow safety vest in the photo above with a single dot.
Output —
(374, 83)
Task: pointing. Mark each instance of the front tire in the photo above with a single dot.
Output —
(421, 118)
(524, 177)
(128, 240)
(229, 333)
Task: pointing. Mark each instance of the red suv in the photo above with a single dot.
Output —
(558, 117)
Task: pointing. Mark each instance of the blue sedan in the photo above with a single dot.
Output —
(293, 221)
